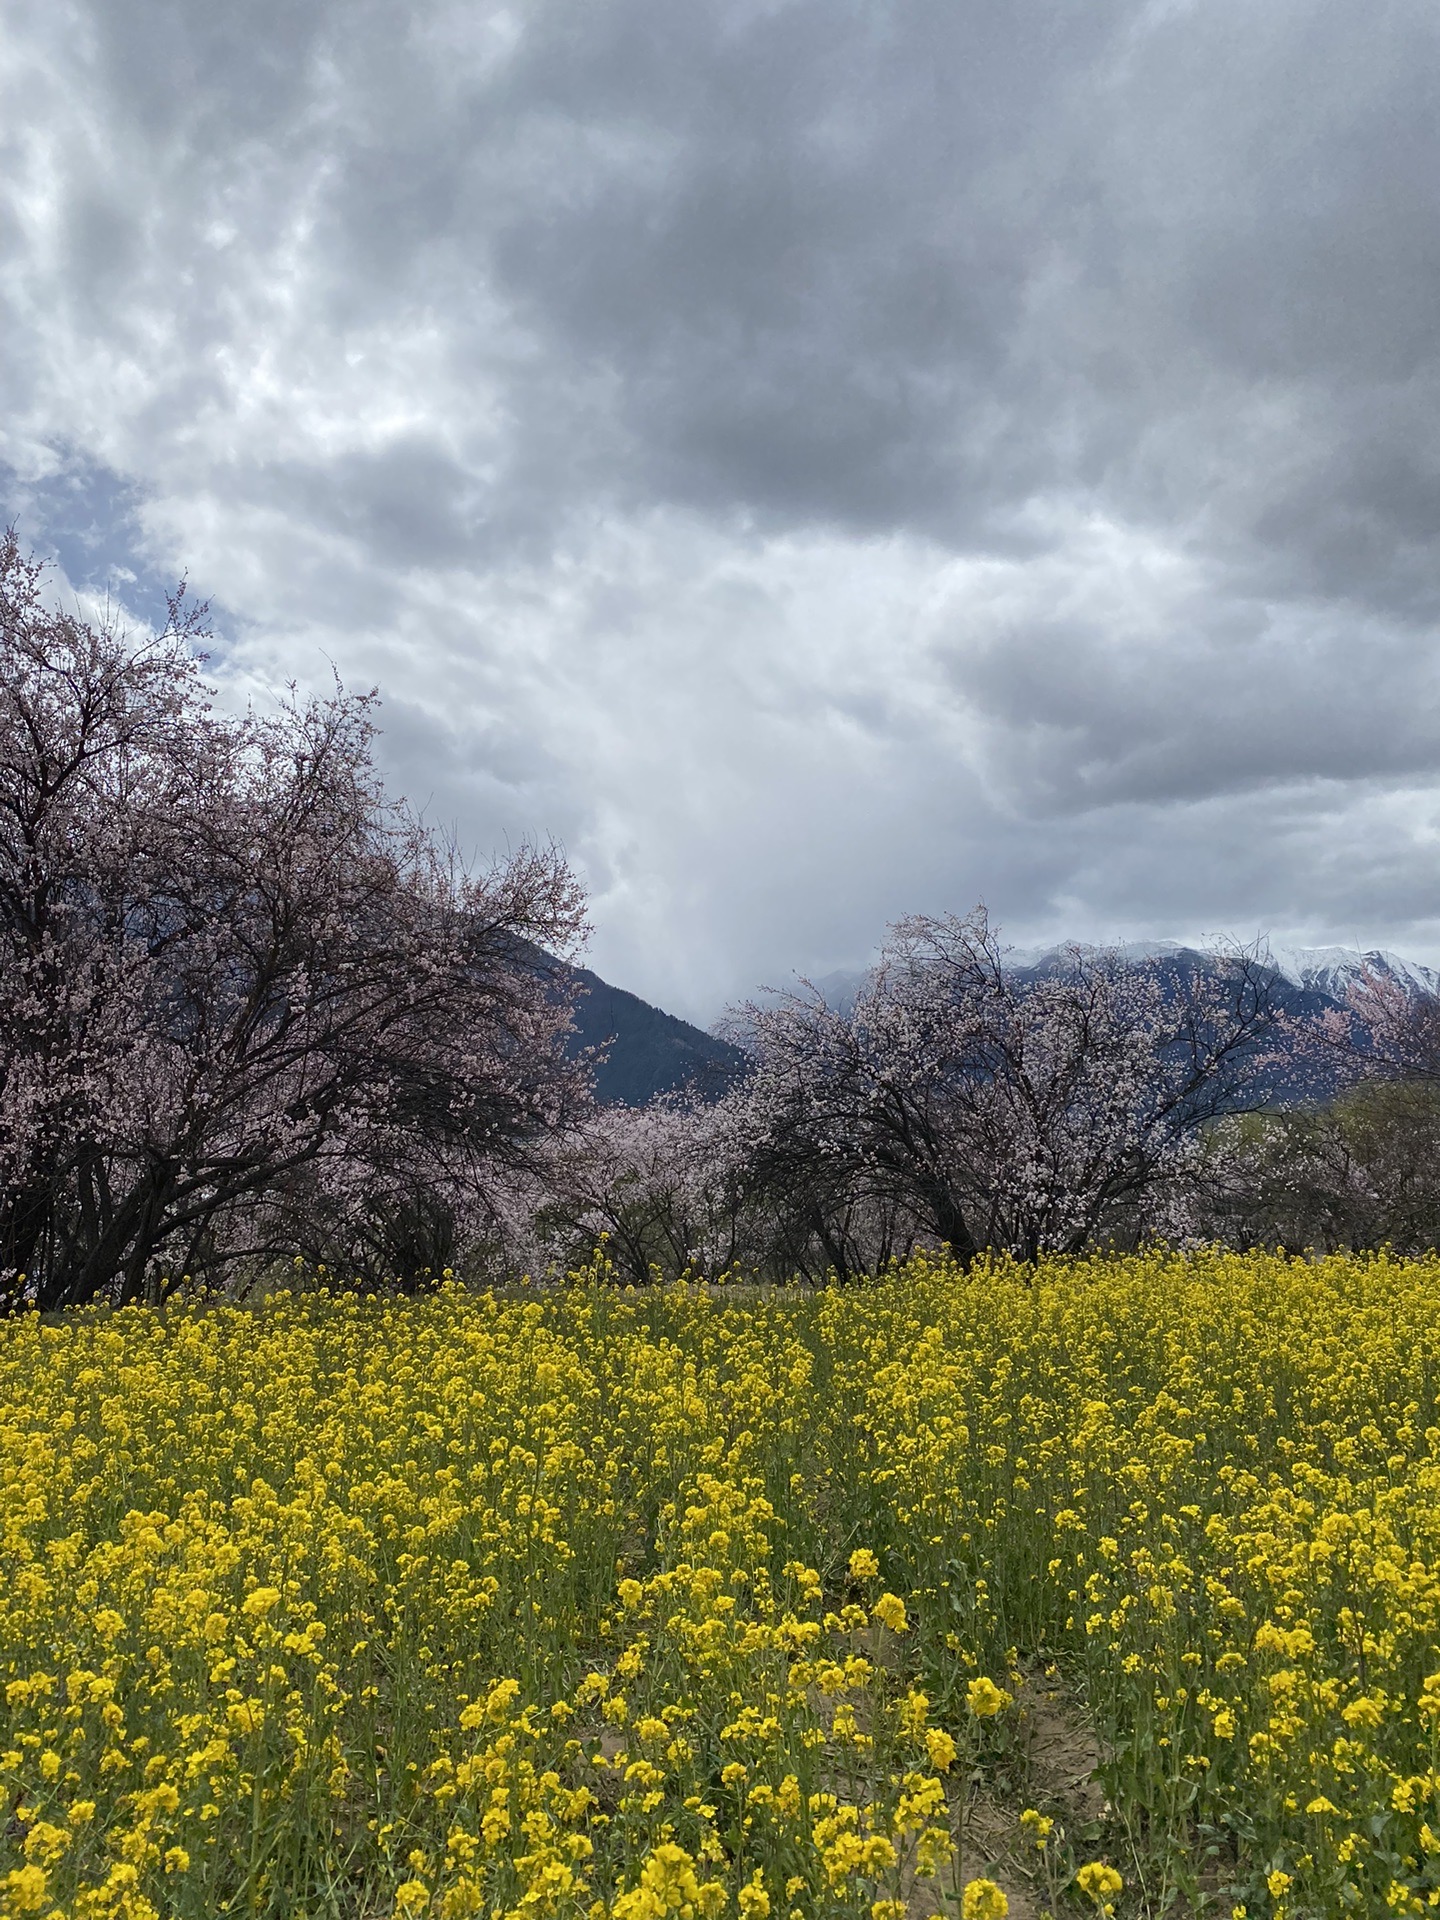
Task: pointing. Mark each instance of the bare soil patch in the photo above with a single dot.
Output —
(1052, 1768)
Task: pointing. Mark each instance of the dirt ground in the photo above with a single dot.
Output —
(1054, 1773)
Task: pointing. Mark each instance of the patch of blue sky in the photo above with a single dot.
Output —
(86, 518)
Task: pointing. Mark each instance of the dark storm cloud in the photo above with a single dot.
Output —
(819, 459)
(807, 259)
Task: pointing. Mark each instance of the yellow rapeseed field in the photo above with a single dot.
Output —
(696, 1603)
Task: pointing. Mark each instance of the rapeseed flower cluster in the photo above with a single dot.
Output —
(696, 1604)
(447, 1607)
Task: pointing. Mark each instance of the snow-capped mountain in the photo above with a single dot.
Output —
(1324, 972)
(1330, 970)
(1318, 979)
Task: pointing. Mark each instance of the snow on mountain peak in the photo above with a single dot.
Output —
(1325, 970)
(1331, 969)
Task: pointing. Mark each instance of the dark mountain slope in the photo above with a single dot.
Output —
(649, 1052)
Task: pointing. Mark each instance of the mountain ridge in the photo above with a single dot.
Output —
(1326, 972)
(645, 1052)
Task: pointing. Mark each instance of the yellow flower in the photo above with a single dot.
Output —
(889, 1611)
(46, 1843)
(877, 1855)
(26, 1889)
(1279, 1884)
(985, 1699)
(753, 1900)
(940, 1748)
(983, 1900)
(1100, 1881)
(667, 1884)
(863, 1564)
(913, 1711)
(1038, 1825)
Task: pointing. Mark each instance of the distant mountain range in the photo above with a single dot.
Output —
(651, 1052)
(1327, 971)
(1321, 976)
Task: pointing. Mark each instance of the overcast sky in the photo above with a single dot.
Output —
(817, 460)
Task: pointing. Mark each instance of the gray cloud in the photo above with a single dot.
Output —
(817, 460)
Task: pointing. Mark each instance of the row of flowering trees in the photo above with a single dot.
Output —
(963, 1102)
(956, 1101)
(249, 1005)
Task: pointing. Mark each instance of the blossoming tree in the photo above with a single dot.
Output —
(234, 976)
(992, 1109)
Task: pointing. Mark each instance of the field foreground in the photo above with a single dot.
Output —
(683, 1603)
